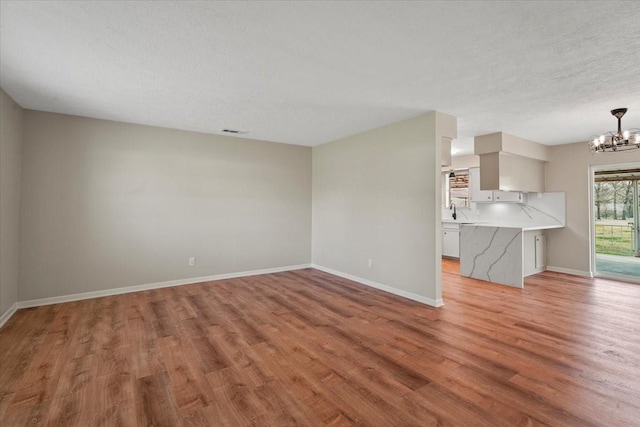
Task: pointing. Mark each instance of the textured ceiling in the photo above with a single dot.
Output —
(311, 72)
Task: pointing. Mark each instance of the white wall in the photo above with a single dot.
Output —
(11, 124)
(464, 162)
(568, 170)
(376, 195)
(108, 204)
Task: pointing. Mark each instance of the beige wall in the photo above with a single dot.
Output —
(522, 147)
(376, 195)
(568, 170)
(521, 173)
(504, 142)
(510, 172)
(11, 124)
(464, 162)
(108, 204)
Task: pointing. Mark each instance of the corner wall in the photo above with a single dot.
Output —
(108, 205)
(11, 125)
(568, 170)
(376, 195)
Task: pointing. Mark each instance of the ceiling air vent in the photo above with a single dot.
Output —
(239, 132)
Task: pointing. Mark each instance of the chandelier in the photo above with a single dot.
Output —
(616, 141)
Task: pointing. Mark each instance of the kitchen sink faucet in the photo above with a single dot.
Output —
(453, 206)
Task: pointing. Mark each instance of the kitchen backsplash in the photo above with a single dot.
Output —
(540, 209)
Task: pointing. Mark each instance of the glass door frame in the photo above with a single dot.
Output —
(592, 223)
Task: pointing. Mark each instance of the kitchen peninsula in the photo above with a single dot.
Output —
(503, 243)
(504, 255)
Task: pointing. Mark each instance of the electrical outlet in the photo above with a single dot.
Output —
(370, 263)
(192, 261)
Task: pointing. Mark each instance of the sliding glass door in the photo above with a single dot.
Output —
(616, 222)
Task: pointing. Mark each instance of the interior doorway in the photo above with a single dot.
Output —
(615, 221)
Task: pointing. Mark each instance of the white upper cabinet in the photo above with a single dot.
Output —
(507, 196)
(483, 196)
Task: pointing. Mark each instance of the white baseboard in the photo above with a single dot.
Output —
(569, 271)
(138, 288)
(616, 278)
(7, 314)
(380, 286)
(129, 289)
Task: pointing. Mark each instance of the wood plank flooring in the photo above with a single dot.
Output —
(306, 348)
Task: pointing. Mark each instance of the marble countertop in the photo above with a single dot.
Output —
(522, 227)
(542, 227)
(463, 221)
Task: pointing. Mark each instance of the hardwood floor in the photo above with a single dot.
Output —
(308, 348)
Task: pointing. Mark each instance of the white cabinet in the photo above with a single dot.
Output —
(475, 194)
(507, 196)
(451, 243)
(535, 257)
(451, 240)
(483, 196)
(541, 252)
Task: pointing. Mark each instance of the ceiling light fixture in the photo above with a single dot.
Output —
(452, 174)
(616, 141)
